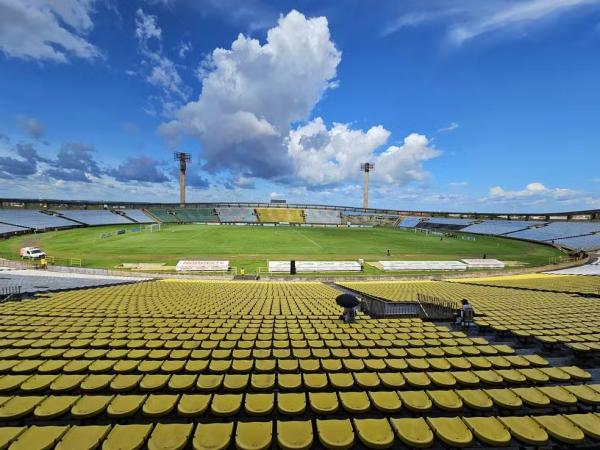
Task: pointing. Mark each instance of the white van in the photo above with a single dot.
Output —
(31, 253)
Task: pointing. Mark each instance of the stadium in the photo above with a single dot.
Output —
(210, 241)
(137, 335)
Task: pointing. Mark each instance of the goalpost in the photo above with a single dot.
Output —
(153, 227)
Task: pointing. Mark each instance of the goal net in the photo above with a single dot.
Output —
(153, 227)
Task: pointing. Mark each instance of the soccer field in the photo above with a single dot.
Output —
(251, 247)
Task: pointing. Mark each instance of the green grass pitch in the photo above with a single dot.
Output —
(250, 247)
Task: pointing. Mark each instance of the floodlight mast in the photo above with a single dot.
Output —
(366, 168)
(183, 159)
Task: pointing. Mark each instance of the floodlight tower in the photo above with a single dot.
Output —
(366, 168)
(183, 159)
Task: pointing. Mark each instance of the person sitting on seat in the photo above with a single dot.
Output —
(465, 315)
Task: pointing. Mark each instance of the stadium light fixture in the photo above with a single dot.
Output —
(184, 159)
(366, 168)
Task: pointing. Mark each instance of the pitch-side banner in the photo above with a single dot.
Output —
(202, 266)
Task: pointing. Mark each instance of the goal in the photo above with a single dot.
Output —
(153, 227)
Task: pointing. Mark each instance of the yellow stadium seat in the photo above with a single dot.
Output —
(584, 394)
(559, 395)
(90, 405)
(446, 400)
(259, 404)
(192, 405)
(173, 436)
(588, 423)
(291, 404)
(55, 406)
(158, 405)
(86, 437)
(226, 404)
(417, 401)
(385, 401)
(413, 432)
(209, 382)
(127, 437)
(489, 430)
(335, 434)
(39, 438)
(125, 405)
(525, 429)
(212, 436)
(294, 435)
(9, 434)
(504, 398)
(253, 435)
(36, 383)
(289, 381)
(561, 429)
(532, 397)
(17, 407)
(65, 383)
(451, 430)
(263, 381)
(374, 433)
(154, 382)
(323, 402)
(123, 383)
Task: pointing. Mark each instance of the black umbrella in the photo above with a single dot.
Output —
(347, 300)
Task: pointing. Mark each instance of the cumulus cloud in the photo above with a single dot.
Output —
(75, 162)
(31, 126)
(24, 165)
(159, 70)
(252, 92)
(46, 29)
(326, 157)
(140, 168)
(533, 191)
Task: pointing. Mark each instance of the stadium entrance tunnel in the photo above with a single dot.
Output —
(425, 307)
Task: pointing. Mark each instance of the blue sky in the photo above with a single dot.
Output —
(462, 105)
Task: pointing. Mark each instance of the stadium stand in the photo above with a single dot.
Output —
(196, 214)
(542, 282)
(93, 216)
(547, 317)
(10, 229)
(322, 216)
(410, 222)
(137, 215)
(587, 242)
(450, 221)
(499, 227)
(184, 215)
(237, 215)
(33, 219)
(557, 230)
(179, 365)
(289, 215)
(590, 269)
(164, 215)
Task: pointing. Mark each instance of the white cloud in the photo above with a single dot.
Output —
(516, 14)
(458, 183)
(451, 127)
(184, 48)
(252, 92)
(467, 20)
(533, 192)
(160, 71)
(52, 30)
(323, 157)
